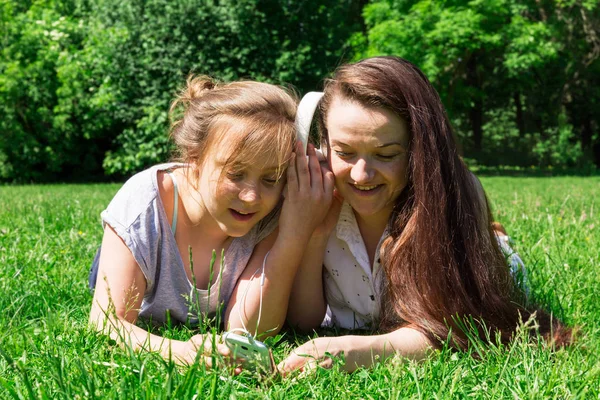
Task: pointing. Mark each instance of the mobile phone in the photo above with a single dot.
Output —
(255, 355)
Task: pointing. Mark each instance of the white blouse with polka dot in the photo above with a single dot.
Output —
(352, 288)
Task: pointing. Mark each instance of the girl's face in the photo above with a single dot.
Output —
(368, 156)
(240, 196)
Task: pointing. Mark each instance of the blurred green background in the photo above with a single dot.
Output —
(85, 85)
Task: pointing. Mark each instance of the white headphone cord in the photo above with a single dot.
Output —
(243, 302)
(262, 282)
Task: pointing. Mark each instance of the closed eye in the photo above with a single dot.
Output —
(271, 180)
(235, 176)
(342, 154)
(387, 157)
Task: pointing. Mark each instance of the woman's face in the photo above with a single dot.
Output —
(238, 197)
(368, 154)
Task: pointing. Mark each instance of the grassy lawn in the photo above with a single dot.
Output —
(49, 234)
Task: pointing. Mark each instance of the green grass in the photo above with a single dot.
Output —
(49, 234)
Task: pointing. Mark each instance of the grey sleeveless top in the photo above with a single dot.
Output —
(137, 215)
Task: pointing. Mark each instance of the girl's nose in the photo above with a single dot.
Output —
(250, 194)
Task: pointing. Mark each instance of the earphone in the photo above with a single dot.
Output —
(304, 116)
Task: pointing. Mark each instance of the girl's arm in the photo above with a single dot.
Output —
(308, 197)
(359, 351)
(117, 299)
(307, 305)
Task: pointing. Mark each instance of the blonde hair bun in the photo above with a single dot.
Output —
(251, 119)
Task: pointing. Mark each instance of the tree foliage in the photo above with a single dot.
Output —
(519, 78)
(85, 85)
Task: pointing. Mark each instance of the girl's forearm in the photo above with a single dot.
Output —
(307, 305)
(308, 197)
(129, 335)
(281, 265)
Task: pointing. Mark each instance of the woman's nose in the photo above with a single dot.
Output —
(361, 172)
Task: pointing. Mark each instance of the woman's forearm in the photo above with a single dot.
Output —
(358, 351)
(366, 351)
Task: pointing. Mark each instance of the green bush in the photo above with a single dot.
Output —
(519, 78)
(504, 145)
(146, 144)
(558, 146)
(87, 85)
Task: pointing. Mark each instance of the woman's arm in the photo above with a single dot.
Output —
(117, 299)
(359, 351)
(307, 201)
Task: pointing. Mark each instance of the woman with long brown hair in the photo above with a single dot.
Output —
(408, 248)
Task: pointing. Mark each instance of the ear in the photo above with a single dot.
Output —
(304, 116)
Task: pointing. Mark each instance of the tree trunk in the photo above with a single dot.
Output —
(519, 110)
(590, 127)
(476, 111)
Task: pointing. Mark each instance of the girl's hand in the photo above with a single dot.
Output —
(202, 348)
(324, 229)
(308, 194)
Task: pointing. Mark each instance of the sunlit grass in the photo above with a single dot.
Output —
(49, 234)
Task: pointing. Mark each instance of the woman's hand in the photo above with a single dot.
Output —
(318, 353)
(308, 194)
(358, 351)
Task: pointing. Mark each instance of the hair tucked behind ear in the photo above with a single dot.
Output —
(441, 260)
(249, 119)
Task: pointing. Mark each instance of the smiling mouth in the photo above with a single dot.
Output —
(365, 189)
(241, 215)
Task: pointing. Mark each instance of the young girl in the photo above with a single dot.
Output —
(236, 141)
(409, 251)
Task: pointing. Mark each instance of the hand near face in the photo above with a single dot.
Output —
(308, 194)
(328, 224)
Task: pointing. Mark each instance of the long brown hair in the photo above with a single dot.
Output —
(442, 263)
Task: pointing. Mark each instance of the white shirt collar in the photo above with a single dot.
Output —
(348, 231)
